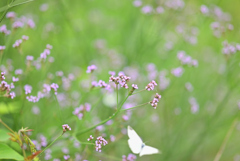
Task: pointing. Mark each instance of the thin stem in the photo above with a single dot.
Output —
(219, 154)
(51, 143)
(106, 120)
(135, 107)
(6, 126)
(117, 94)
(139, 91)
(86, 143)
(24, 153)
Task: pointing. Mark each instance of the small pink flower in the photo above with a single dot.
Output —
(91, 68)
(155, 100)
(24, 37)
(11, 15)
(66, 128)
(134, 86)
(90, 138)
(151, 85)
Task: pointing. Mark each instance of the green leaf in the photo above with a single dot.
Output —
(3, 135)
(8, 108)
(9, 153)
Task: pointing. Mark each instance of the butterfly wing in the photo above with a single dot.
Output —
(135, 142)
(148, 150)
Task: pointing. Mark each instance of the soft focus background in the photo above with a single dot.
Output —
(190, 48)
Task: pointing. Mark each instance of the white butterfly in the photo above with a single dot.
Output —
(137, 146)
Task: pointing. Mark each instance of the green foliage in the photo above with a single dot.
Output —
(3, 135)
(137, 39)
(9, 153)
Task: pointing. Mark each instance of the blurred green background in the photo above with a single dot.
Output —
(116, 36)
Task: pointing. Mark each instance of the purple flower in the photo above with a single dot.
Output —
(155, 100)
(151, 85)
(134, 86)
(44, 7)
(160, 9)
(65, 150)
(35, 110)
(24, 37)
(90, 138)
(54, 86)
(2, 48)
(12, 95)
(66, 128)
(14, 79)
(204, 9)
(17, 43)
(2, 75)
(112, 138)
(194, 105)
(11, 15)
(177, 72)
(30, 23)
(28, 89)
(49, 46)
(17, 24)
(66, 157)
(91, 68)
(99, 143)
(3, 29)
(18, 71)
(29, 58)
(189, 86)
(147, 9)
(137, 3)
(130, 157)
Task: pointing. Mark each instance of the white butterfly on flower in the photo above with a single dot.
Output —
(137, 146)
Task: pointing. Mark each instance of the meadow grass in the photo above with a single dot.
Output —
(194, 121)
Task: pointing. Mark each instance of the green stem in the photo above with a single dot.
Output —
(139, 91)
(135, 107)
(24, 153)
(117, 94)
(106, 120)
(219, 154)
(85, 143)
(51, 143)
(6, 126)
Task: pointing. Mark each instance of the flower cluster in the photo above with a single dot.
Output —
(221, 21)
(2, 48)
(41, 94)
(155, 100)
(99, 143)
(66, 128)
(4, 30)
(163, 80)
(46, 52)
(120, 79)
(79, 111)
(54, 86)
(5, 87)
(186, 59)
(40, 142)
(2, 76)
(151, 85)
(90, 138)
(177, 72)
(17, 43)
(230, 48)
(91, 68)
(194, 105)
(130, 157)
(66, 157)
